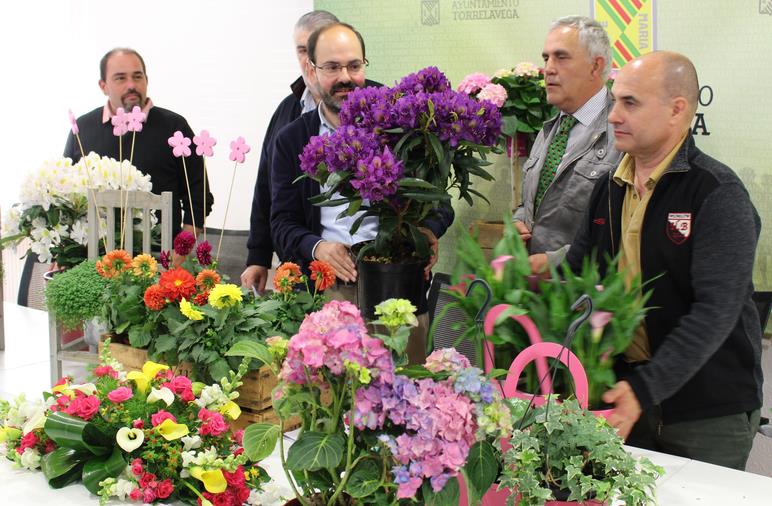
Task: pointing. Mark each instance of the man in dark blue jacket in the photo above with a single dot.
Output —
(304, 98)
(690, 383)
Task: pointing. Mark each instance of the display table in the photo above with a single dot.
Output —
(686, 482)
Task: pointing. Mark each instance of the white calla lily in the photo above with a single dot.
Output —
(162, 394)
(86, 388)
(129, 439)
(190, 442)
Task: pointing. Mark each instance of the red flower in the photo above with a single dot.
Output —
(214, 423)
(158, 418)
(105, 370)
(204, 253)
(138, 424)
(50, 446)
(148, 480)
(30, 440)
(323, 274)
(136, 467)
(461, 287)
(154, 298)
(201, 299)
(164, 489)
(148, 496)
(177, 284)
(207, 279)
(84, 407)
(184, 243)
(135, 495)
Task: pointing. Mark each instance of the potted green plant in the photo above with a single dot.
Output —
(560, 452)
(397, 154)
(75, 295)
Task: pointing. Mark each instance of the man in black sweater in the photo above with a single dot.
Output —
(123, 80)
(304, 98)
(691, 380)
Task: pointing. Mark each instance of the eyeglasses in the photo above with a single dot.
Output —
(332, 68)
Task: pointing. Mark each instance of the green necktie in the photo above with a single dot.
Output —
(555, 152)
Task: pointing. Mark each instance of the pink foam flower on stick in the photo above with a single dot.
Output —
(73, 123)
(180, 144)
(120, 122)
(134, 119)
(204, 143)
(239, 148)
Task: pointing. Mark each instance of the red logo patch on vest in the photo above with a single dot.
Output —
(599, 221)
(679, 227)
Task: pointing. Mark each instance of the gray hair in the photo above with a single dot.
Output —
(311, 21)
(591, 35)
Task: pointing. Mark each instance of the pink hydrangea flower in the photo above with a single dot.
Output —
(494, 93)
(120, 394)
(446, 359)
(473, 83)
(158, 418)
(180, 144)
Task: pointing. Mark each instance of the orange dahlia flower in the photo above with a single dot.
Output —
(154, 298)
(113, 263)
(323, 274)
(287, 276)
(206, 279)
(177, 284)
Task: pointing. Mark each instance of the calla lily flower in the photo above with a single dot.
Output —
(598, 320)
(86, 388)
(129, 439)
(36, 421)
(231, 410)
(162, 394)
(214, 481)
(9, 434)
(171, 431)
(498, 266)
(142, 378)
(64, 389)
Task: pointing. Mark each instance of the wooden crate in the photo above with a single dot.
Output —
(489, 234)
(254, 395)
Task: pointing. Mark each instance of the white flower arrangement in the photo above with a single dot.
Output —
(54, 205)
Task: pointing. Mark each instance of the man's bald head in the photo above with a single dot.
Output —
(679, 76)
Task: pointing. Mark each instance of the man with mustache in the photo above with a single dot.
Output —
(304, 98)
(302, 231)
(123, 80)
(573, 149)
(690, 382)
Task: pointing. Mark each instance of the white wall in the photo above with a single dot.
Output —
(223, 65)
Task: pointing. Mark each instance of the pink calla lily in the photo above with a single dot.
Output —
(498, 266)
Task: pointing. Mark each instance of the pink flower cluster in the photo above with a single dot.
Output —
(329, 337)
(213, 423)
(82, 405)
(446, 359)
(473, 83)
(235, 494)
(480, 86)
(158, 418)
(439, 429)
(180, 385)
(149, 487)
(105, 370)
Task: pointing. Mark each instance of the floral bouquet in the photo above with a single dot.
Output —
(144, 436)
(397, 154)
(54, 205)
(526, 108)
(372, 433)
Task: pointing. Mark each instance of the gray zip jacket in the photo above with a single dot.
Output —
(555, 223)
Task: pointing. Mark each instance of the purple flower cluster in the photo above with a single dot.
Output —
(327, 339)
(439, 429)
(428, 80)
(370, 108)
(339, 151)
(377, 176)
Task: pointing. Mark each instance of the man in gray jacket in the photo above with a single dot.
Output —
(573, 149)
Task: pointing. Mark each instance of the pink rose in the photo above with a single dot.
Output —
(214, 424)
(164, 489)
(120, 394)
(138, 424)
(83, 407)
(238, 437)
(148, 480)
(148, 495)
(135, 495)
(30, 440)
(136, 467)
(158, 418)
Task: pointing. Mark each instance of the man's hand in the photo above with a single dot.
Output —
(627, 409)
(339, 257)
(255, 276)
(434, 246)
(525, 233)
(539, 264)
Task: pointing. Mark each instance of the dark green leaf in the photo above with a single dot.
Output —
(164, 342)
(448, 496)
(99, 468)
(71, 432)
(251, 349)
(63, 466)
(365, 479)
(260, 440)
(482, 466)
(316, 450)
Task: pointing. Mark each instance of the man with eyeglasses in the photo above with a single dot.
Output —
(304, 232)
(304, 98)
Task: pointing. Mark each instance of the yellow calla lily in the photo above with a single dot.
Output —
(171, 431)
(142, 378)
(231, 410)
(64, 389)
(214, 481)
(9, 434)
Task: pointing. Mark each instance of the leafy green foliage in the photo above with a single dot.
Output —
(526, 108)
(74, 295)
(565, 447)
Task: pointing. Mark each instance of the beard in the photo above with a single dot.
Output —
(331, 102)
(132, 98)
